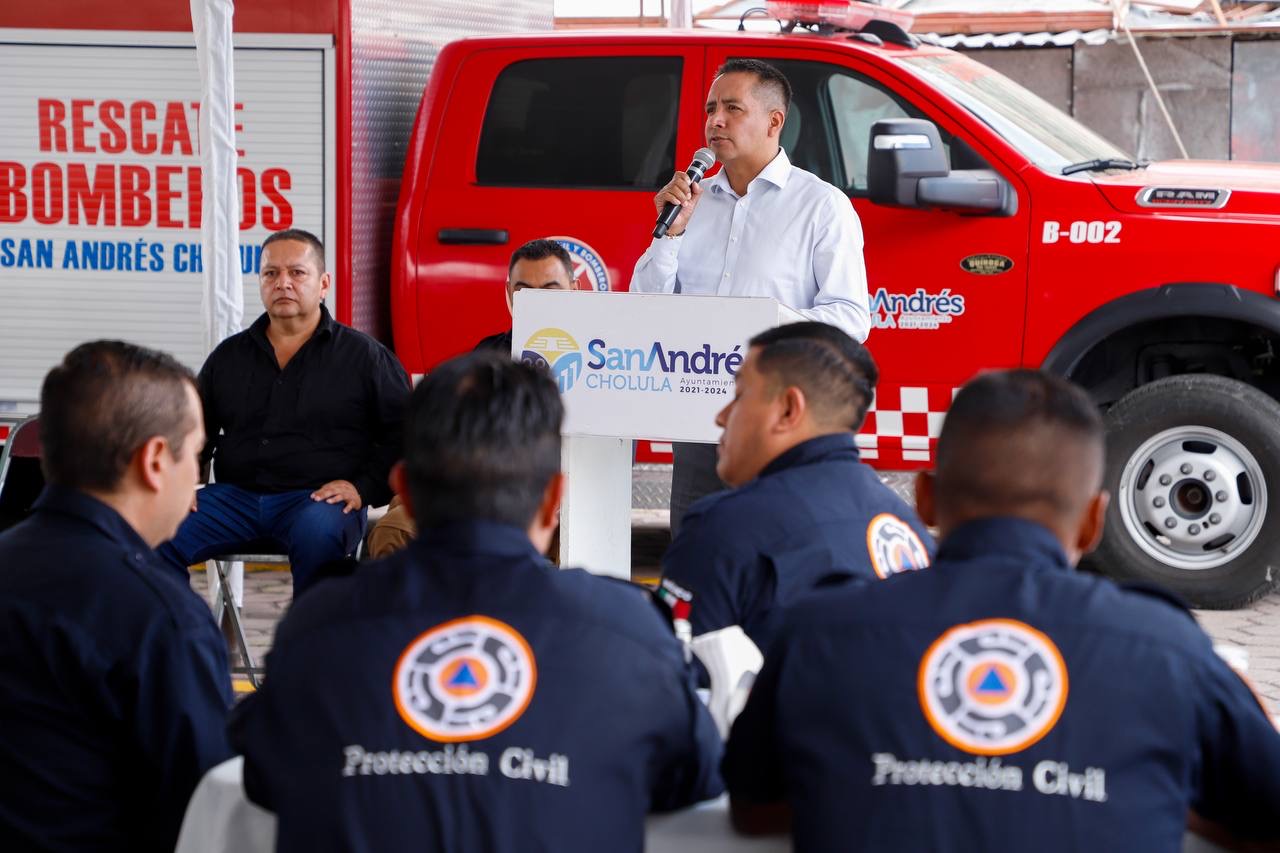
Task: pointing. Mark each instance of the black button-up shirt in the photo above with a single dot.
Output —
(114, 687)
(335, 412)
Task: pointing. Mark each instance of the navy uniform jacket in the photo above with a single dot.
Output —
(114, 686)
(1000, 701)
(466, 695)
(815, 511)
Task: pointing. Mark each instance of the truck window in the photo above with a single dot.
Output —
(856, 104)
(591, 121)
(1044, 134)
(828, 127)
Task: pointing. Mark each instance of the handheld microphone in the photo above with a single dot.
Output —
(703, 159)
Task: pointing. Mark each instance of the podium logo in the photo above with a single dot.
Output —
(558, 352)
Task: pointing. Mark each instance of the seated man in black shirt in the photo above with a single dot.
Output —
(464, 694)
(304, 422)
(114, 687)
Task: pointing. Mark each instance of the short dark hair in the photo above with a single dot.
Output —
(482, 440)
(768, 78)
(836, 373)
(537, 250)
(103, 402)
(1014, 440)
(302, 237)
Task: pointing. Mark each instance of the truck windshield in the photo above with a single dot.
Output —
(1047, 136)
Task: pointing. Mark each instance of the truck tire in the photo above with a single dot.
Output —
(1193, 467)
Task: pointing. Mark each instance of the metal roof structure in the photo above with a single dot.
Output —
(1045, 23)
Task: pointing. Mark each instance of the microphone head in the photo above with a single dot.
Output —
(704, 159)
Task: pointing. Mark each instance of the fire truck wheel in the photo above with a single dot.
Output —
(1193, 467)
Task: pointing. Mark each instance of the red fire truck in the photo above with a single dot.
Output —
(999, 233)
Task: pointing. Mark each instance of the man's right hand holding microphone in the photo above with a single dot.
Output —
(675, 202)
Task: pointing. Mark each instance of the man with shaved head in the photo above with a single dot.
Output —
(759, 227)
(1000, 700)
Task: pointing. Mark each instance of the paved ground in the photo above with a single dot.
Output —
(1256, 629)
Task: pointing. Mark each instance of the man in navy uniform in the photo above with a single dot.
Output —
(1000, 700)
(464, 694)
(804, 507)
(114, 687)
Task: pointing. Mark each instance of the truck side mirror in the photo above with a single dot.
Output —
(908, 167)
(902, 151)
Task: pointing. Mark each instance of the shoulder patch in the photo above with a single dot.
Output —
(675, 598)
(1157, 591)
(677, 603)
(893, 547)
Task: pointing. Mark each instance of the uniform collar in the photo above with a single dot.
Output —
(811, 451)
(778, 172)
(1032, 543)
(477, 536)
(74, 503)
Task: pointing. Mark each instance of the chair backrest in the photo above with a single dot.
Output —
(20, 476)
(732, 661)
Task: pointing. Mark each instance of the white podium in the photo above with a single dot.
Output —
(631, 365)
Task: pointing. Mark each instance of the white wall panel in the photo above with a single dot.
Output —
(46, 311)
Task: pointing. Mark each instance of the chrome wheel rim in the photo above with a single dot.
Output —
(1193, 497)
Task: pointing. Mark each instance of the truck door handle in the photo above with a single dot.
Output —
(473, 236)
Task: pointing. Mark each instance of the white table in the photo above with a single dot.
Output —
(220, 819)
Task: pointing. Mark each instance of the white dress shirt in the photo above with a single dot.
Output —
(792, 236)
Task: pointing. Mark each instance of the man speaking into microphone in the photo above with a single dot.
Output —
(759, 227)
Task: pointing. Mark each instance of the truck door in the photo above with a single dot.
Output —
(564, 141)
(947, 291)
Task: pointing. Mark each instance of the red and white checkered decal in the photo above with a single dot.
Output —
(903, 425)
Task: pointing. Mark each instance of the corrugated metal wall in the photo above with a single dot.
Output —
(393, 46)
